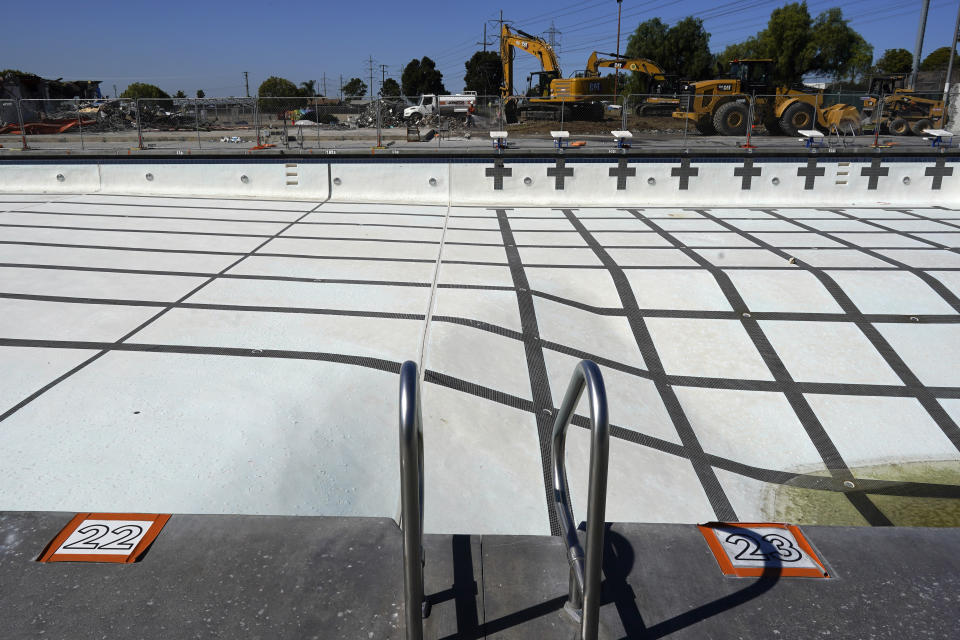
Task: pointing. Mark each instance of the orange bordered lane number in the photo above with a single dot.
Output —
(751, 549)
(105, 537)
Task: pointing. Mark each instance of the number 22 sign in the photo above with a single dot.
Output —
(105, 537)
(755, 548)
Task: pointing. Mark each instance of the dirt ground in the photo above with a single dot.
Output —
(603, 127)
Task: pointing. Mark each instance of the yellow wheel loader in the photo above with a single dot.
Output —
(723, 106)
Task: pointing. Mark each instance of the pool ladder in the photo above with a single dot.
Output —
(583, 599)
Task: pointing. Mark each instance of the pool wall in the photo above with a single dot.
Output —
(814, 180)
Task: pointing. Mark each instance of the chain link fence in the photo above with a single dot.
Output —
(467, 121)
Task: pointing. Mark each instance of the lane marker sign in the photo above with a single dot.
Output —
(104, 537)
(751, 549)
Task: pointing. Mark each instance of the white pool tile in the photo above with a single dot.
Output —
(827, 352)
(588, 286)
(633, 402)
(930, 351)
(710, 348)
(783, 291)
(682, 289)
(34, 320)
(890, 292)
(758, 428)
(604, 336)
(475, 453)
(875, 430)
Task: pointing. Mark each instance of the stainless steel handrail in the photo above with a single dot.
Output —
(584, 599)
(411, 499)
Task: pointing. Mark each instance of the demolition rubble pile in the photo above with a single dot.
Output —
(391, 116)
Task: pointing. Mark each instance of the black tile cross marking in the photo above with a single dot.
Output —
(938, 172)
(684, 172)
(874, 172)
(498, 172)
(560, 172)
(810, 173)
(747, 171)
(621, 172)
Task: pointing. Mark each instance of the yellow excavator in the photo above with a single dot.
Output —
(581, 96)
(657, 82)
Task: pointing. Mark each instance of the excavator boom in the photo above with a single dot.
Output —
(533, 45)
(641, 65)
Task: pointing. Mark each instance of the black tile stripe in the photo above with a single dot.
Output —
(897, 232)
(880, 344)
(536, 366)
(828, 451)
(708, 479)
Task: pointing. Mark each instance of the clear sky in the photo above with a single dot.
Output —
(208, 44)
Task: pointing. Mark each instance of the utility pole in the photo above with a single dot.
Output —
(383, 76)
(919, 46)
(246, 81)
(953, 51)
(370, 68)
(341, 87)
(616, 79)
(117, 95)
(324, 84)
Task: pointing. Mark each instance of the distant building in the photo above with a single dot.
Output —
(40, 95)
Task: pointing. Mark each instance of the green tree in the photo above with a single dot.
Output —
(895, 61)
(355, 88)
(141, 90)
(682, 49)
(484, 73)
(799, 45)
(201, 94)
(179, 94)
(390, 88)
(273, 88)
(939, 59)
(308, 88)
(787, 40)
(839, 51)
(688, 49)
(421, 76)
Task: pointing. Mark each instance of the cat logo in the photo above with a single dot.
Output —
(525, 45)
(725, 87)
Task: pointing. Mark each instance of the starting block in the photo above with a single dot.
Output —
(560, 138)
(812, 138)
(499, 139)
(622, 138)
(939, 138)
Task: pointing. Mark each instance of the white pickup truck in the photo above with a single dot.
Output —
(461, 103)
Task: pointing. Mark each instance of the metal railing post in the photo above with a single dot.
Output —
(411, 500)
(139, 129)
(196, 112)
(584, 597)
(256, 117)
(79, 122)
(23, 131)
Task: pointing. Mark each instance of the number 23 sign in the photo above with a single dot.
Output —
(754, 548)
(105, 537)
